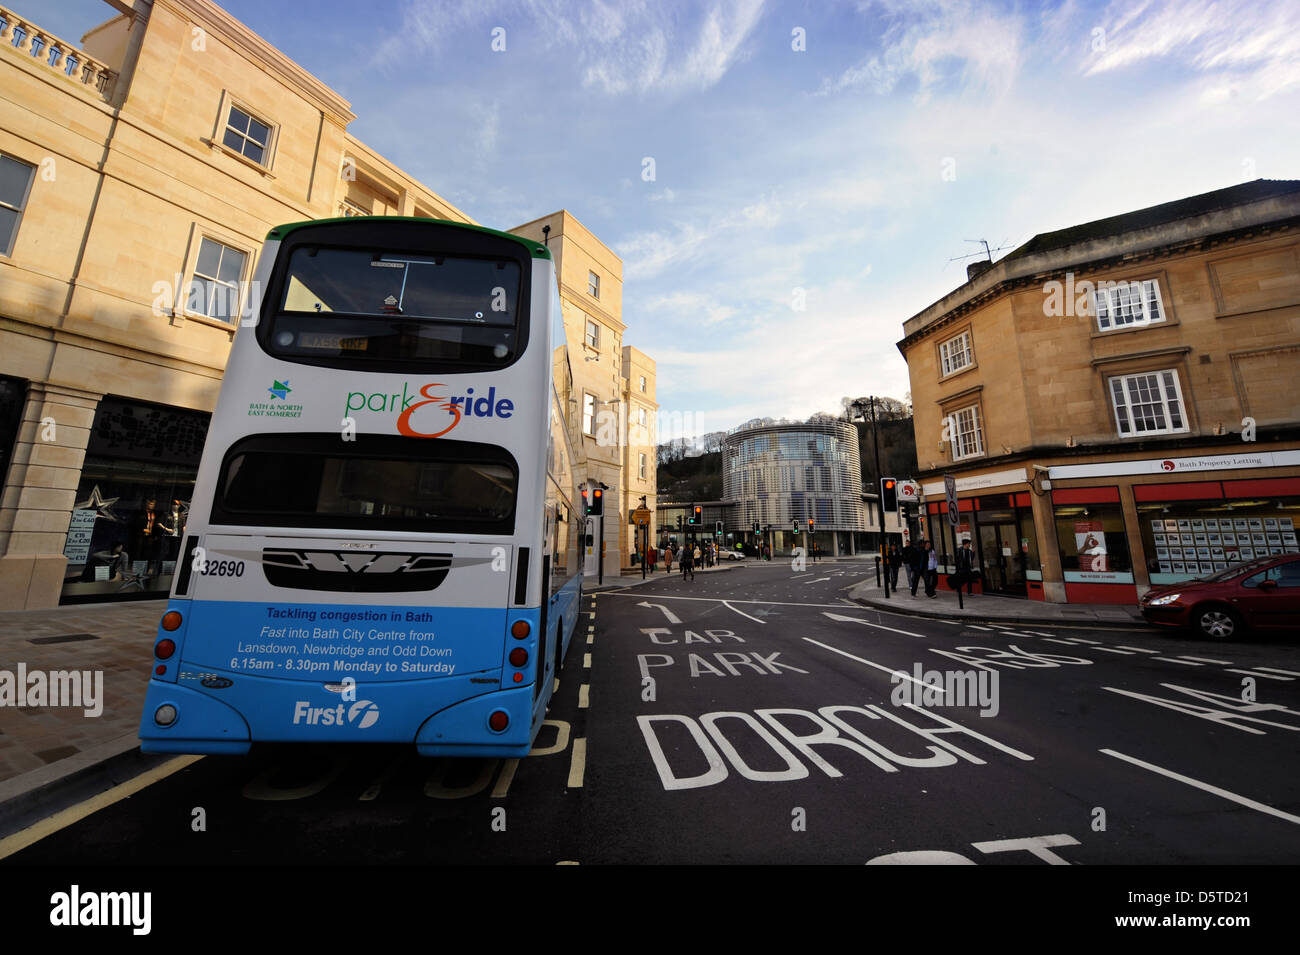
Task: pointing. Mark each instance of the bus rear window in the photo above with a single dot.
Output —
(365, 304)
(377, 482)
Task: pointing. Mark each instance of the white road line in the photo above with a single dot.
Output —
(955, 623)
(1124, 646)
(1083, 640)
(61, 820)
(797, 576)
(817, 581)
(1276, 670)
(976, 626)
(1000, 626)
(1055, 640)
(1223, 663)
(890, 670)
(1186, 663)
(765, 603)
(742, 613)
(555, 687)
(1127, 653)
(1038, 634)
(1265, 676)
(584, 696)
(578, 763)
(868, 623)
(1206, 787)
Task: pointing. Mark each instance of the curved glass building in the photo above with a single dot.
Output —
(776, 475)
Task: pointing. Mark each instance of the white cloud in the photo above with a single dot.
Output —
(926, 38)
(1256, 44)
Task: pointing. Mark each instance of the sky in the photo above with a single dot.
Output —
(787, 183)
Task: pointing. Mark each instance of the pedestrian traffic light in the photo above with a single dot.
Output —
(888, 494)
(796, 526)
(757, 532)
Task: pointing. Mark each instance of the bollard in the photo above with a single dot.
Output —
(877, 571)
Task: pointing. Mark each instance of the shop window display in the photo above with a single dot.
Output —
(1188, 539)
(1093, 543)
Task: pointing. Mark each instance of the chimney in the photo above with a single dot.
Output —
(975, 268)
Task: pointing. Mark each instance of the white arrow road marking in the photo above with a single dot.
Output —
(868, 623)
(1266, 676)
(672, 617)
(1206, 787)
(892, 671)
(742, 613)
(817, 581)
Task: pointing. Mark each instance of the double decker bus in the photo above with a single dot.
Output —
(381, 544)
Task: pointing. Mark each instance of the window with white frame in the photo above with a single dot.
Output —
(247, 135)
(588, 414)
(1127, 304)
(641, 459)
(217, 273)
(955, 354)
(15, 184)
(643, 384)
(593, 285)
(966, 433)
(1148, 403)
(593, 334)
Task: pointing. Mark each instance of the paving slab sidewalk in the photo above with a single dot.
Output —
(991, 609)
(41, 746)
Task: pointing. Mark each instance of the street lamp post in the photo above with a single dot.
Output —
(875, 444)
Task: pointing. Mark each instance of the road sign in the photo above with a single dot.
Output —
(909, 492)
(950, 488)
(641, 515)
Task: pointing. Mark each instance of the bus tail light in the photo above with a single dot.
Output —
(518, 657)
(520, 629)
(171, 620)
(498, 721)
(164, 649)
(165, 715)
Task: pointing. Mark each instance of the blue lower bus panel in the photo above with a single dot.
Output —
(441, 678)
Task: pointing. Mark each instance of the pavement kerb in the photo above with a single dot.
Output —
(41, 793)
(954, 614)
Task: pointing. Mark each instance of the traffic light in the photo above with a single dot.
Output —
(597, 502)
(796, 526)
(696, 517)
(679, 522)
(717, 528)
(888, 494)
(586, 501)
(810, 525)
(757, 531)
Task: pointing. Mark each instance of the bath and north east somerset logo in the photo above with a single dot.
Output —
(278, 405)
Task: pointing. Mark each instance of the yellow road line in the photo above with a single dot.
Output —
(73, 814)
(578, 763)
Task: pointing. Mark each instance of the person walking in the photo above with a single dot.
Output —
(697, 558)
(966, 567)
(668, 559)
(687, 562)
(895, 561)
(651, 556)
(912, 555)
(931, 571)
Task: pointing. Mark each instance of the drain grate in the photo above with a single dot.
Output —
(64, 638)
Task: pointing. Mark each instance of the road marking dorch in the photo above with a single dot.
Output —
(672, 617)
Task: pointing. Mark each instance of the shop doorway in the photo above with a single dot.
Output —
(1002, 558)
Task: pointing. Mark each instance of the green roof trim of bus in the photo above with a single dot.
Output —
(536, 248)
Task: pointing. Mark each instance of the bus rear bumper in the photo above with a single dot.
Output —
(462, 729)
(201, 725)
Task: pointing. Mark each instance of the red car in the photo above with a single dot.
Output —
(1262, 594)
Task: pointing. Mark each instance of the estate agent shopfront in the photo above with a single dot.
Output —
(1105, 531)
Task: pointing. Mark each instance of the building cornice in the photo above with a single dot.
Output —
(242, 40)
(1012, 275)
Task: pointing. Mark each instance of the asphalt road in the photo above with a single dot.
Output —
(754, 716)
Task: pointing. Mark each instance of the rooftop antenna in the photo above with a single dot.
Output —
(987, 253)
(546, 236)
